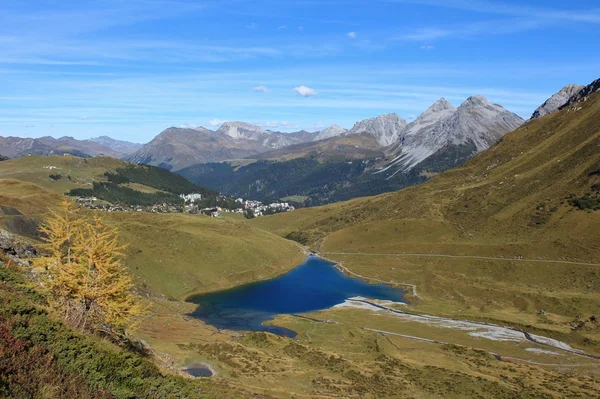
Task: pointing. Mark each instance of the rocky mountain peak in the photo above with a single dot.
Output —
(474, 126)
(385, 128)
(475, 102)
(241, 130)
(557, 100)
(439, 105)
(331, 131)
(583, 93)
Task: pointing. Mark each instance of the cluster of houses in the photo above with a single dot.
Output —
(190, 205)
(257, 208)
(90, 203)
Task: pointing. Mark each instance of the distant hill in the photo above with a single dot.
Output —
(124, 147)
(177, 148)
(15, 147)
(108, 179)
(341, 146)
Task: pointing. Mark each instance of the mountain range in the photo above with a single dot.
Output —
(15, 147)
(475, 125)
(379, 154)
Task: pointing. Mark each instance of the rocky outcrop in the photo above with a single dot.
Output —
(385, 128)
(583, 93)
(556, 101)
(15, 248)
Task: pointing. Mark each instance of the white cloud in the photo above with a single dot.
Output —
(427, 47)
(261, 89)
(423, 34)
(305, 91)
(216, 122)
(281, 27)
(352, 35)
(83, 118)
(410, 117)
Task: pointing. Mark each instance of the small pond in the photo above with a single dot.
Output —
(314, 285)
(198, 370)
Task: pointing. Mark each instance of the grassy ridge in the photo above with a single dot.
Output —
(82, 171)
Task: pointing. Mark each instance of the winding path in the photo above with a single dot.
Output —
(566, 262)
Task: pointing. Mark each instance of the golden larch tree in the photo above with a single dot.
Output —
(87, 281)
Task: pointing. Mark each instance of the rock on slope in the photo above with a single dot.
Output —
(385, 128)
(556, 101)
(583, 93)
(476, 125)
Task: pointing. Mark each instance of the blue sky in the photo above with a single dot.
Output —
(130, 69)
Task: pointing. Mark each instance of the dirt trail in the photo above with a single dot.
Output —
(566, 262)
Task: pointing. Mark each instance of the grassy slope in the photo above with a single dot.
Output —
(170, 254)
(488, 207)
(177, 254)
(350, 147)
(83, 171)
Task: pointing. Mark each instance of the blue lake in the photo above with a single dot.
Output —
(314, 285)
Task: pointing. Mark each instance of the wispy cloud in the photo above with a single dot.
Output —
(261, 89)
(216, 122)
(351, 35)
(520, 9)
(305, 91)
(427, 47)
